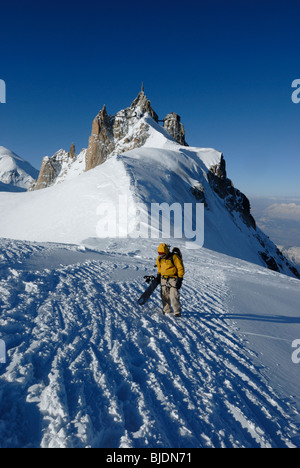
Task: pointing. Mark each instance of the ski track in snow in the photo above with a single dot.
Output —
(87, 367)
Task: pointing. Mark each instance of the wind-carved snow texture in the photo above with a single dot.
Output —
(87, 367)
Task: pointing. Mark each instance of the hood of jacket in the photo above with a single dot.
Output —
(163, 248)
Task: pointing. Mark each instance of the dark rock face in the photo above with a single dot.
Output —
(199, 193)
(175, 128)
(101, 141)
(51, 168)
(46, 176)
(234, 199)
(72, 153)
(237, 203)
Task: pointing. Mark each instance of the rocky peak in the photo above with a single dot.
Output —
(53, 167)
(72, 153)
(120, 132)
(101, 141)
(126, 130)
(175, 128)
(128, 117)
(48, 173)
(102, 121)
(141, 105)
(110, 134)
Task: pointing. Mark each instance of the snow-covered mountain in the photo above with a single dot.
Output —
(81, 364)
(16, 175)
(131, 157)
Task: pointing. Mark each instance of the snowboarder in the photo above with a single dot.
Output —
(170, 271)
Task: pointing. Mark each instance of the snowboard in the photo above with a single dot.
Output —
(149, 291)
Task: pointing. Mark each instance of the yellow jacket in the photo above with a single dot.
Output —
(167, 267)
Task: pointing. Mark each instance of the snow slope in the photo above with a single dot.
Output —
(87, 367)
(66, 212)
(15, 173)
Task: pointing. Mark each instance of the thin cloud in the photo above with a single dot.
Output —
(289, 211)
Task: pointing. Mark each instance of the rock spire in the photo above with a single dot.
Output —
(175, 128)
(108, 131)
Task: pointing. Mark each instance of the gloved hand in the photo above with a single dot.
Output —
(179, 283)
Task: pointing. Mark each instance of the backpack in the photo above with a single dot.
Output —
(175, 251)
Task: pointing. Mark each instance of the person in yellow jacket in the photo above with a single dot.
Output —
(171, 272)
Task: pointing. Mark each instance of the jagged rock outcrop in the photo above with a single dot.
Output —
(238, 204)
(47, 174)
(175, 128)
(199, 193)
(274, 265)
(141, 105)
(52, 167)
(126, 118)
(101, 142)
(235, 201)
(111, 133)
(72, 153)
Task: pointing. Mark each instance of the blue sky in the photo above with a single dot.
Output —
(225, 66)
